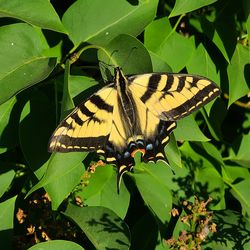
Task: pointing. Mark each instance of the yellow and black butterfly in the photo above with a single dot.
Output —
(134, 113)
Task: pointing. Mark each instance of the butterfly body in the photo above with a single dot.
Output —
(134, 113)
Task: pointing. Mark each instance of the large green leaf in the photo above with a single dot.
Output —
(241, 192)
(5, 180)
(63, 174)
(8, 124)
(35, 126)
(184, 6)
(6, 226)
(24, 64)
(56, 244)
(238, 73)
(156, 33)
(172, 152)
(104, 20)
(159, 65)
(149, 180)
(95, 182)
(210, 29)
(213, 152)
(201, 63)
(7, 213)
(78, 84)
(103, 227)
(206, 176)
(101, 190)
(127, 52)
(242, 157)
(188, 130)
(40, 13)
(169, 45)
(234, 172)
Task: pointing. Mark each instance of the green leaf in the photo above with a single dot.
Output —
(5, 180)
(35, 130)
(214, 120)
(95, 181)
(156, 33)
(172, 152)
(6, 226)
(188, 130)
(201, 63)
(63, 174)
(67, 102)
(206, 176)
(103, 227)
(24, 63)
(169, 45)
(233, 172)
(100, 189)
(78, 84)
(241, 192)
(117, 17)
(213, 152)
(154, 191)
(184, 6)
(7, 125)
(159, 65)
(56, 244)
(124, 51)
(7, 213)
(238, 73)
(242, 157)
(178, 180)
(109, 198)
(40, 13)
(209, 28)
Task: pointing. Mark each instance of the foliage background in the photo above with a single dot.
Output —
(39, 86)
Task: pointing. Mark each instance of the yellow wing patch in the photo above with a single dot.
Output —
(173, 96)
(88, 126)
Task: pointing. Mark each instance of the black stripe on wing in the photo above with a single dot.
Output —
(152, 84)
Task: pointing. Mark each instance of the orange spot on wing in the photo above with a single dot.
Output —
(140, 150)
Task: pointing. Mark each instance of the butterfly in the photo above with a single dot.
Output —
(132, 113)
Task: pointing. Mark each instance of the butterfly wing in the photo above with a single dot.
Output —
(88, 126)
(173, 96)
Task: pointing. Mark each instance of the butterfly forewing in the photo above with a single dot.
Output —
(88, 126)
(173, 96)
